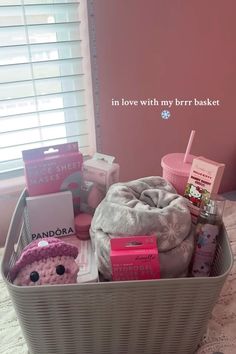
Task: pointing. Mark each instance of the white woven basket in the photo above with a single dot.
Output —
(133, 317)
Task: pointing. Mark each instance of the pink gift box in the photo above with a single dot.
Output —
(134, 258)
(52, 169)
(204, 180)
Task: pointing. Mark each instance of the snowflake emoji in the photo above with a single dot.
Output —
(165, 114)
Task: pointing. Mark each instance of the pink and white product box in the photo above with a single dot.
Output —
(88, 272)
(204, 181)
(51, 215)
(99, 173)
(134, 258)
(53, 169)
(86, 259)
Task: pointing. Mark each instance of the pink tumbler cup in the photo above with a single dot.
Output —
(176, 171)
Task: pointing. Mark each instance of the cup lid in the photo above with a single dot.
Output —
(175, 163)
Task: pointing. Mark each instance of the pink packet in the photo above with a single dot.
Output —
(134, 258)
(54, 169)
(204, 180)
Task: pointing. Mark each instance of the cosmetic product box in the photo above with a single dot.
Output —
(101, 169)
(86, 259)
(204, 180)
(99, 173)
(50, 215)
(134, 258)
(88, 271)
(76, 318)
(53, 169)
(91, 194)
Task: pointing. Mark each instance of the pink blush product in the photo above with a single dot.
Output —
(82, 225)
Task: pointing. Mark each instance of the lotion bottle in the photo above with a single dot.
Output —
(207, 232)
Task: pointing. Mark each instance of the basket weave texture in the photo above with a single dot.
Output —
(134, 317)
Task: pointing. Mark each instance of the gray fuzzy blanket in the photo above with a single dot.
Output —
(147, 206)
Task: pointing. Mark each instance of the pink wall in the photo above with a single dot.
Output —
(167, 49)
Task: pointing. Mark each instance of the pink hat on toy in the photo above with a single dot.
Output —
(47, 261)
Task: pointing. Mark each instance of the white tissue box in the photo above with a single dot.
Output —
(51, 215)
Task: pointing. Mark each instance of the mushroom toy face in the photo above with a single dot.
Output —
(50, 261)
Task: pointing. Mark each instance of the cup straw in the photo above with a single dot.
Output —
(189, 146)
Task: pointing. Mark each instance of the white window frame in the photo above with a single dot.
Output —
(90, 66)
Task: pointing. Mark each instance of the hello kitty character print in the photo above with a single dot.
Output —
(195, 195)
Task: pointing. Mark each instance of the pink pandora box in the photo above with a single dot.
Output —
(204, 180)
(134, 258)
(53, 169)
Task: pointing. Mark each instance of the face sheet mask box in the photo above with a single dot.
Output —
(134, 258)
(51, 215)
(53, 169)
(204, 180)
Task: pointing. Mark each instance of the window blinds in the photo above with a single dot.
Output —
(42, 81)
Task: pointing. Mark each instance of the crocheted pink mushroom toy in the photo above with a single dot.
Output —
(47, 261)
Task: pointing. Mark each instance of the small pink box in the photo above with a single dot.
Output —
(134, 258)
(101, 170)
(99, 173)
(53, 169)
(204, 180)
